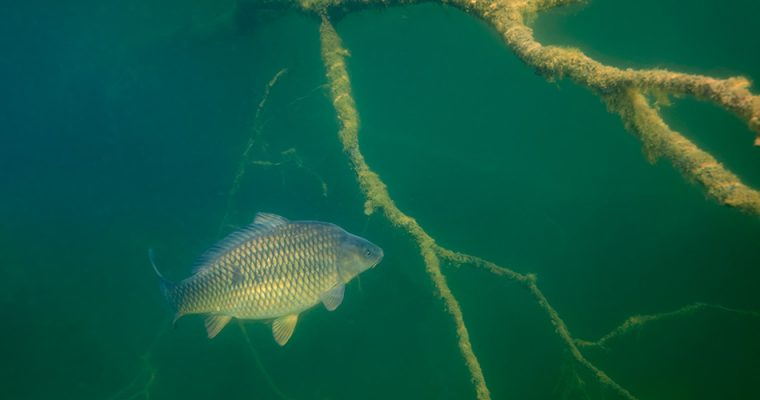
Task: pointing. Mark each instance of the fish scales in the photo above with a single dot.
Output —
(301, 255)
(273, 269)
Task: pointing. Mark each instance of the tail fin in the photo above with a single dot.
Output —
(167, 287)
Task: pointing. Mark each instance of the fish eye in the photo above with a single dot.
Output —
(367, 252)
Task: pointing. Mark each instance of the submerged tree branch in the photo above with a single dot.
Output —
(638, 321)
(508, 18)
(620, 89)
(377, 196)
(333, 55)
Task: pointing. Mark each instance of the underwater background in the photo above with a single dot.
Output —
(124, 123)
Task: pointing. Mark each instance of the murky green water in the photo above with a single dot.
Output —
(123, 127)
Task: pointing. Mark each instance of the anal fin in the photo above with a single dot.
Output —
(215, 324)
(283, 327)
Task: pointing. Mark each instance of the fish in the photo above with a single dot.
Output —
(273, 269)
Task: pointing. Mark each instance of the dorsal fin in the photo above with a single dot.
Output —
(270, 220)
(233, 240)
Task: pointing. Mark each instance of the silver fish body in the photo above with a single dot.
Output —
(272, 269)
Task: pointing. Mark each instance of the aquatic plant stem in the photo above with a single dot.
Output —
(245, 158)
(134, 390)
(256, 357)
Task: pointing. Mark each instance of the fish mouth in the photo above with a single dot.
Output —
(379, 258)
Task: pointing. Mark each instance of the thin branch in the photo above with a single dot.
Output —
(639, 321)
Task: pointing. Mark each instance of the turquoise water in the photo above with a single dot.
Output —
(124, 125)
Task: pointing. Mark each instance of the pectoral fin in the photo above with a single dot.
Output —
(215, 324)
(282, 328)
(333, 297)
